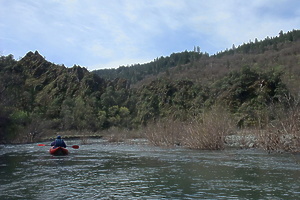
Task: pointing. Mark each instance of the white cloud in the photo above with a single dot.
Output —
(101, 32)
(235, 22)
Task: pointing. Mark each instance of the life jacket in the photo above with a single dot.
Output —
(59, 143)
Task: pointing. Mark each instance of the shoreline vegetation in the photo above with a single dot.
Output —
(245, 97)
(214, 130)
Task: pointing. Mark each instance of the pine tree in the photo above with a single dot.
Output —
(198, 49)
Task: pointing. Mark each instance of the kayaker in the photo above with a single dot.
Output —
(59, 142)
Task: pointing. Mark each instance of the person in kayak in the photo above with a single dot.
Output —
(59, 142)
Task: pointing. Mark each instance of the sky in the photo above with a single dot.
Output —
(99, 34)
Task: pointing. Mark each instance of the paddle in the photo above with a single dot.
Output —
(74, 146)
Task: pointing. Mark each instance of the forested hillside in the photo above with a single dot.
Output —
(191, 64)
(256, 84)
(138, 72)
(39, 98)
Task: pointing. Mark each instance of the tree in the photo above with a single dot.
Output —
(281, 33)
(79, 113)
(233, 47)
(102, 119)
(66, 114)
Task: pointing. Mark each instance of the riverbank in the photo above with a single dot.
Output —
(177, 136)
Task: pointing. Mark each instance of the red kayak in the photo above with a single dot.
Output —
(58, 151)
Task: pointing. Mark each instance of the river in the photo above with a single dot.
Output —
(102, 170)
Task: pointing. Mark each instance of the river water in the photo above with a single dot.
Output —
(134, 171)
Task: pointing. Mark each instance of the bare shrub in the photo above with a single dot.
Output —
(115, 134)
(35, 131)
(270, 139)
(206, 133)
(209, 133)
(165, 133)
(283, 133)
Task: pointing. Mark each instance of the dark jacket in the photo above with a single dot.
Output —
(59, 143)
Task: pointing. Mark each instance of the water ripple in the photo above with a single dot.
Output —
(124, 171)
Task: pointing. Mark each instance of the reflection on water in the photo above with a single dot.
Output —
(108, 171)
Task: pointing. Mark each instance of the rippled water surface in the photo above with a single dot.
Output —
(131, 171)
